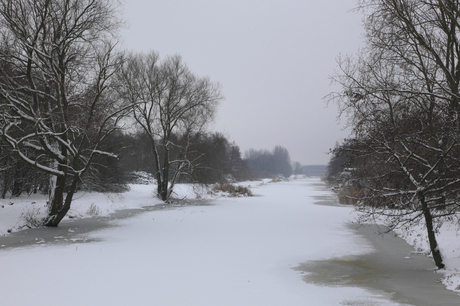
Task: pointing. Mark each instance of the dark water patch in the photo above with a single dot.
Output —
(337, 272)
(329, 200)
(326, 200)
(393, 270)
(78, 230)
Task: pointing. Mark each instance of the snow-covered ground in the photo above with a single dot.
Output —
(238, 251)
(448, 241)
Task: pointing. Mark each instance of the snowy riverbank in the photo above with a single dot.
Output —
(237, 251)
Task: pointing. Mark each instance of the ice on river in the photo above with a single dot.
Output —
(238, 251)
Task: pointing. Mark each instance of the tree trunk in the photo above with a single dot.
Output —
(164, 184)
(6, 181)
(18, 183)
(57, 216)
(56, 201)
(437, 257)
(159, 171)
(163, 187)
(163, 192)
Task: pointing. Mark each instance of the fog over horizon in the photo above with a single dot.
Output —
(272, 58)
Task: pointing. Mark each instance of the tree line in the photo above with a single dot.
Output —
(69, 95)
(270, 163)
(401, 97)
(213, 159)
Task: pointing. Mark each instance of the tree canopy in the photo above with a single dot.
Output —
(401, 96)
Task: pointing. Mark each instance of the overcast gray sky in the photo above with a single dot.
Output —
(272, 58)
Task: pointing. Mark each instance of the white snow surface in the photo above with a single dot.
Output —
(238, 251)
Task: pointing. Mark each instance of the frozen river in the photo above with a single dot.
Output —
(287, 245)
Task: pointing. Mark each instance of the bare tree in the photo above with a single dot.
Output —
(55, 95)
(171, 106)
(402, 98)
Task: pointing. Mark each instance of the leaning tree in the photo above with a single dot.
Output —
(402, 98)
(56, 103)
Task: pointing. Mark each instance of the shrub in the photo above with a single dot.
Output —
(278, 178)
(232, 190)
(93, 210)
(33, 217)
(348, 195)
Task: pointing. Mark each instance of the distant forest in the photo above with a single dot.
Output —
(314, 170)
(215, 159)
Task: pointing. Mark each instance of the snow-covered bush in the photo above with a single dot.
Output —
(140, 178)
(278, 178)
(232, 190)
(32, 217)
(93, 210)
